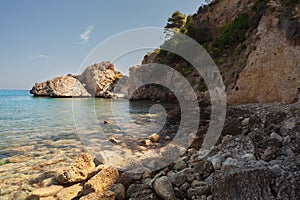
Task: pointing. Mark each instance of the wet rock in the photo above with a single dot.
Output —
(47, 191)
(155, 137)
(69, 193)
(242, 184)
(78, 171)
(106, 195)
(163, 188)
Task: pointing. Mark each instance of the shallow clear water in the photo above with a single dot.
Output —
(38, 136)
(27, 120)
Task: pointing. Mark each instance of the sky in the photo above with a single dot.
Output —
(43, 39)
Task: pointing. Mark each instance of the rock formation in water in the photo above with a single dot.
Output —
(100, 79)
(62, 86)
(97, 80)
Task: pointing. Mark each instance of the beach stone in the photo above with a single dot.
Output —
(179, 165)
(179, 194)
(69, 193)
(101, 181)
(245, 122)
(47, 198)
(78, 171)
(276, 170)
(106, 195)
(119, 191)
(163, 188)
(178, 179)
(48, 182)
(204, 168)
(47, 191)
(198, 191)
(230, 163)
(21, 195)
(134, 188)
(125, 180)
(146, 194)
(155, 137)
(185, 187)
(18, 159)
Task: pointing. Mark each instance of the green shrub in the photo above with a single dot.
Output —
(233, 34)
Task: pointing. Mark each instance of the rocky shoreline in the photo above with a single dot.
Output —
(257, 157)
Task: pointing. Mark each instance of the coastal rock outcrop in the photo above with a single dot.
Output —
(97, 80)
(62, 86)
(100, 79)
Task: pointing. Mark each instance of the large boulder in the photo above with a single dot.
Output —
(62, 86)
(78, 171)
(253, 183)
(100, 79)
(101, 181)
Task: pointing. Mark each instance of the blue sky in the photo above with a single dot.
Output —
(43, 39)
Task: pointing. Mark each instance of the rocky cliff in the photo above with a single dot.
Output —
(255, 44)
(97, 80)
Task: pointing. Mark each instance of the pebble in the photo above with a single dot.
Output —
(276, 136)
(276, 170)
(180, 165)
(245, 122)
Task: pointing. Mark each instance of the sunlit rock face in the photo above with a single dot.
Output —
(62, 86)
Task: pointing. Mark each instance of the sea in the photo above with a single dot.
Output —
(38, 134)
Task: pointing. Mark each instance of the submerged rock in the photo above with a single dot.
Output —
(79, 171)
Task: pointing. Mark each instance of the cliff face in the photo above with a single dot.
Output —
(255, 44)
(265, 66)
(272, 71)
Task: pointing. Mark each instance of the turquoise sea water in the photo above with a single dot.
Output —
(27, 120)
(38, 136)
